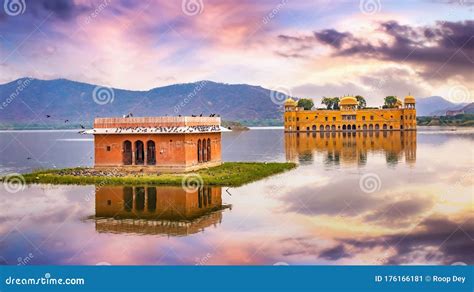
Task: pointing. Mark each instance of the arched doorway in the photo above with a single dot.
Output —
(208, 149)
(127, 153)
(150, 153)
(333, 128)
(321, 128)
(353, 127)
(364, 127)
(328, 128)
(377, 127)
(371, 127)
(313, 128)
(343, 127)
(199, 157)
(139, 153)
(204, 152)
(385, 126)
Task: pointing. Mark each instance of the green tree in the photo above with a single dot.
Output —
(306, 103)
(335, 103)
(361, 101)
(390, 101)
(327, 101)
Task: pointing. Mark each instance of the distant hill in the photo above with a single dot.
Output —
(63, 99)
(28, 102)
(435, 105)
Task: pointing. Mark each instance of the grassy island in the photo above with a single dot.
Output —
(227, 174)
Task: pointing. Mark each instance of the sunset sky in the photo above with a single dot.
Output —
(303, 48)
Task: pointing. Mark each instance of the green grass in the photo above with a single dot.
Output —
(227, 174)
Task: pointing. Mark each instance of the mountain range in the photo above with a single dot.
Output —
(61, 102)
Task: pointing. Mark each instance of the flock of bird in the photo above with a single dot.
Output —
(159, 129)
(171, 130)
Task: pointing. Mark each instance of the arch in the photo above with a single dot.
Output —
(371, 127)
(199, 158)
(401, 127)
(328, 128)
(364, 127)
(139, 198)
(391, 127)
(208, 149)
(385, 126)
(313, 128)
(127, 198)
(204, 150)
(139, 153)
(354, 127)
(343, 127)
(377, 127)
(150, 153)
(151, 199)
(321, 128)
(333, 128)
(127, 153)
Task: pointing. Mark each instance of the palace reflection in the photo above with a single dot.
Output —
(351, 148)
(157, 210)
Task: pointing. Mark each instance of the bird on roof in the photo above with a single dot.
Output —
(48, 116)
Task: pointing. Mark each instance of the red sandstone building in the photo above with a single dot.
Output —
(162, 144)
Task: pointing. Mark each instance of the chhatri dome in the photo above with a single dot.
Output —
(348, 100)
(398, 103)
(290, 102)
(409, 99)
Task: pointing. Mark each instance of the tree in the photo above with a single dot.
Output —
(390, 101)
(327, 101)
(306, 103)
(361, 102)
(335, 103)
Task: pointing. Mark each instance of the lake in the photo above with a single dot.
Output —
(355, 199)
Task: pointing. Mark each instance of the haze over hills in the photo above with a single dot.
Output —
(29, 101)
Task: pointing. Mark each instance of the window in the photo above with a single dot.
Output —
(297, 119)
(334, 119)
(363, 118)
(326, 118)
(371, 118)
(108, 148)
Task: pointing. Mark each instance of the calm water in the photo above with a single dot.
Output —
(354, 199)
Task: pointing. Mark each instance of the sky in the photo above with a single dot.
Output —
(303, 48)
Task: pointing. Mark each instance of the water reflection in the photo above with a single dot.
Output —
(351, 148)
(152, 210)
